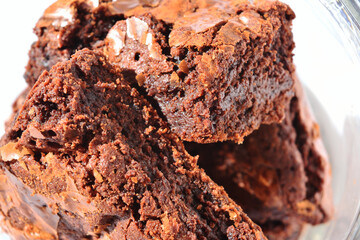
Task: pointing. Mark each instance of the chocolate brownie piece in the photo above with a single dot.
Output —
(281, 171)
(89, 158)
(66, 26)
(217, 73)
(217, 69)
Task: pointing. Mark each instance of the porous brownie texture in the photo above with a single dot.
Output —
(89, 158)
(217, 69)
(280, 175)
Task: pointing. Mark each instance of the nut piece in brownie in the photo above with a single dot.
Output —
(280, 175)
(217, 73)
(89, 158)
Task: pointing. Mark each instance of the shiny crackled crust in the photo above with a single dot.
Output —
(280, 175)
(213, 81)
(102, 165)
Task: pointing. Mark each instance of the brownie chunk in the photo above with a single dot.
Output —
(89, 158)
(217, 69)
(217, 74)
(66, 26)
(280, 172)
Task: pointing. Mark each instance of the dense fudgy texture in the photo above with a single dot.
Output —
(280, 175)
(103, 165)
(218, 69)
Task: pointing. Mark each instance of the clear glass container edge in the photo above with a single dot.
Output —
(347, 15)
